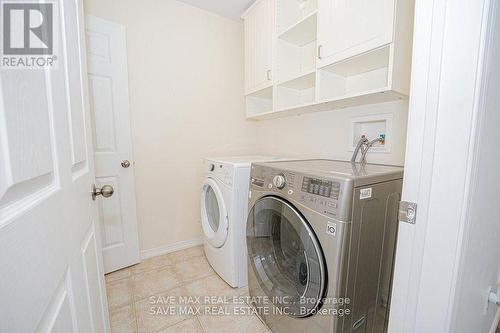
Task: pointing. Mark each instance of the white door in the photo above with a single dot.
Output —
(50, 261)
(350, 27)
(259, 34)
(109, 104)
(480, 255)
(446, 262)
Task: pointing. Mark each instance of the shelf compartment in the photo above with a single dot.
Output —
(355, 76)
(290, 12)
(259, 102)
(293, 61)
(303, 32)
(297, 92)
(305, 81)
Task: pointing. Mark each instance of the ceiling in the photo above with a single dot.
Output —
(231, 9)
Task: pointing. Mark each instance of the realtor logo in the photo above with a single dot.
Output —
(28, 31)
(27, 28)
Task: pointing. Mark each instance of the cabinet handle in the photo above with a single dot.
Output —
(268, 75)
(319, 51)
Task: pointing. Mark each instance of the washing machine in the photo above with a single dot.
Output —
(321, 238)
(224, 198)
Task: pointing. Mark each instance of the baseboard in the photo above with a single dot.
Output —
(158, 251)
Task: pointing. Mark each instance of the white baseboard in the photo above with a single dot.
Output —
(158, 251)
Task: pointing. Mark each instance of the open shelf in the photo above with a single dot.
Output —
(355, 76)
(302, 32)
(291, 12)
(366, 98)
(259, 102)
(361, 80)
(296, 92)
(294, 61)
(305, 81)
(296, 44)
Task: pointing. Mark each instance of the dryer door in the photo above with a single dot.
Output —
(214, 219)
(286, 257)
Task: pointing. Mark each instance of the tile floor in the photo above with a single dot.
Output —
(159, 295)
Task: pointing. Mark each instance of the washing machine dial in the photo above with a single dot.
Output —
(279, 181)
(211, 167)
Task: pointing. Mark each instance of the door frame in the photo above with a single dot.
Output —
(443, 113)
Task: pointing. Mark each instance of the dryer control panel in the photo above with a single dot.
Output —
(221, 171)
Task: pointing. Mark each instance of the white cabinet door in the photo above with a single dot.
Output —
(259, 34)
(350, 27)
(50, 259)
(109, 104)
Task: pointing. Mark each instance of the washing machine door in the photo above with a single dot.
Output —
(214, 217)
(286, 257)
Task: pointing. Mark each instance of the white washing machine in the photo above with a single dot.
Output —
(224, 200)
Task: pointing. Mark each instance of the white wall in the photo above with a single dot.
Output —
(186, 96)
(327, 134)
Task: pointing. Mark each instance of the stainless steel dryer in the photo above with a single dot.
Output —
(321, 234)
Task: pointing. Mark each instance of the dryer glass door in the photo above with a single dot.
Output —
(213, 209)
(214, 219)
(286, 257)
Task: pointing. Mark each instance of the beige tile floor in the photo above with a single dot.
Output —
(139, 297)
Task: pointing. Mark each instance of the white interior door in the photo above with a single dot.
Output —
(448, 259)
(108, 84)
(479, 267)
(50, 259)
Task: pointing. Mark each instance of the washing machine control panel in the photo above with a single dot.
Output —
(320, 194)
(279, 181)
(321, 187)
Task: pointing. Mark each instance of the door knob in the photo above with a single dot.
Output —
(106, 191)
(125, 164)
(493, 297)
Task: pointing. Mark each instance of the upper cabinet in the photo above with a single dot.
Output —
(259, 34)
(327, 54)
(350, 27)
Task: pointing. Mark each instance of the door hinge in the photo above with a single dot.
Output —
(407, 212)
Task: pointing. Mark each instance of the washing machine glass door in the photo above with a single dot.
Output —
(286, 257)
(214, 219)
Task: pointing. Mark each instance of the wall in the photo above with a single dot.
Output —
(186, 98)
(327, 134)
